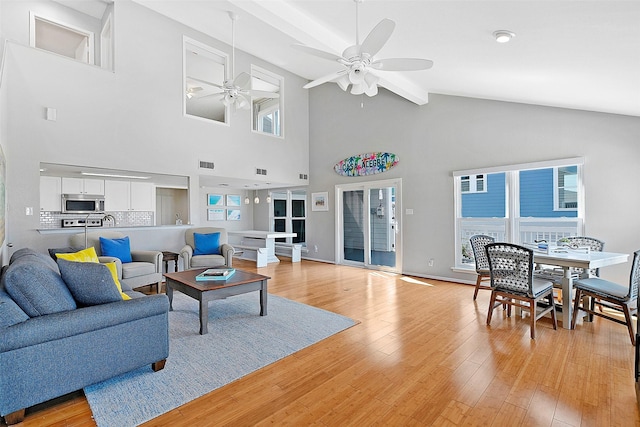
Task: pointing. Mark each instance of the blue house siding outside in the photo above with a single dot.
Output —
(536, 197)
(490, 204)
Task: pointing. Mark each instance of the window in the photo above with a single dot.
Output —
(518, 204)
(289, 214)
(267, 112)
(204, 73)
(63, 39)
(565, 194)
(473, 183)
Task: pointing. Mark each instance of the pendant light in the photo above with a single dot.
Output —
(256, 199)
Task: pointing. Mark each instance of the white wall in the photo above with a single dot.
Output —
(131, 119)
(454, 133)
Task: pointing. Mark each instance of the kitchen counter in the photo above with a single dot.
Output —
(75, 230)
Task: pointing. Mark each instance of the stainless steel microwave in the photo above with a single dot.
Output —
(82, 203)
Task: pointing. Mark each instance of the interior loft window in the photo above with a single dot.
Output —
(204, 71)
(266, 112)
(63, 39)
(289, 214)
(518, 204)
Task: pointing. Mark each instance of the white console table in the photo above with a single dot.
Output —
(258, 245)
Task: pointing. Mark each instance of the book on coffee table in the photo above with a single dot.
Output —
(215, 274)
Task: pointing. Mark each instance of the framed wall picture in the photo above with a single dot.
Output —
(216, 215)
(215, 200)
(233, 214)
(320, 201)
(233, 200)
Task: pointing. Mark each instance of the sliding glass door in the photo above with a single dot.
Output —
(368, 225)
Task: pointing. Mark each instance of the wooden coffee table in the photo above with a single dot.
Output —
(241, 282)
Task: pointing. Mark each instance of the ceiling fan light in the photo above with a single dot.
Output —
(358, 89)
(356, 75)
(503, 36)
(371, 79)
(372, 90)
(241, 102)
(343, 82)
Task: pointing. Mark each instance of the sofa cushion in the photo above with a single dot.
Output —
(84, 255)
(206, 244)
(36, 286)
(10, 312)
(117, 248)
(113, 269)
(135, 269)
(207, 261)
(90, 283)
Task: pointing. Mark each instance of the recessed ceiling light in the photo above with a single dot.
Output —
(113, 175)
(503, 36)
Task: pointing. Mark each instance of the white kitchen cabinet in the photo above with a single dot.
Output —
(82, 186)
(129, 196)
(143, 196)
(50, 194)
(116, 195)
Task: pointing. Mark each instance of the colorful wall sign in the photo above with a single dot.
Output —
(366, 164)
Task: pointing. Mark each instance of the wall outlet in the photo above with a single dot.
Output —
(28, 211)
(431, 262)
(315, 248)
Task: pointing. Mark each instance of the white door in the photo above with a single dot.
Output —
(368, 225)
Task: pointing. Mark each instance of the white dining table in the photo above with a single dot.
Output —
(566, 259)
(258, 239)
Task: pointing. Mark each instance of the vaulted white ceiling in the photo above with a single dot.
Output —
(573, 54)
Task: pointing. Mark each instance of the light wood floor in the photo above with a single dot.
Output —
(421, 355)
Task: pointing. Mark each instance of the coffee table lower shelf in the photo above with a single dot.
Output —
(240, 283)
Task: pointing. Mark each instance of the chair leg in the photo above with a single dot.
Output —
(576, 307)
(491, 304)
(532, 317)
(475, 293)
(553, 311)
(627, 316)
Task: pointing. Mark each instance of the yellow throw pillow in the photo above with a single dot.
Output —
(114, 273)
(85, 255)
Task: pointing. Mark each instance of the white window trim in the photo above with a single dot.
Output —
(260, 70)
(473, 183)
(224, 57)
(33, 16)
(512, 191)
(556, 194)
(289, 218)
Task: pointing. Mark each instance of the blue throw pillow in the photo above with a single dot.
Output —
(206, 244)
(117, 248)
(90, 283)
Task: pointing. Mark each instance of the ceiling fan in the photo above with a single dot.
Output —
(235, 92)
(358, 61)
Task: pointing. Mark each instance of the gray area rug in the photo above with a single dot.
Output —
(239, 342)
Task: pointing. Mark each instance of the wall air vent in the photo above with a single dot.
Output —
(206, 165)
(261, 171)
(303, 176)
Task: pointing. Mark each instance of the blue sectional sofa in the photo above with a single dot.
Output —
(50, 345)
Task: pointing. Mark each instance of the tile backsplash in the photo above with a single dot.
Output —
(52, 219)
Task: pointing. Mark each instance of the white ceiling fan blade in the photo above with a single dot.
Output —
(263, 94)
(317, 52)
(203, 82)
(327, 78)
(378, 37)
(402, 64)
(242, 81)
(208, 92)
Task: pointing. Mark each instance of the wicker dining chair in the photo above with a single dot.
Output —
(610, 295)
(512, 283)
(478, 243)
